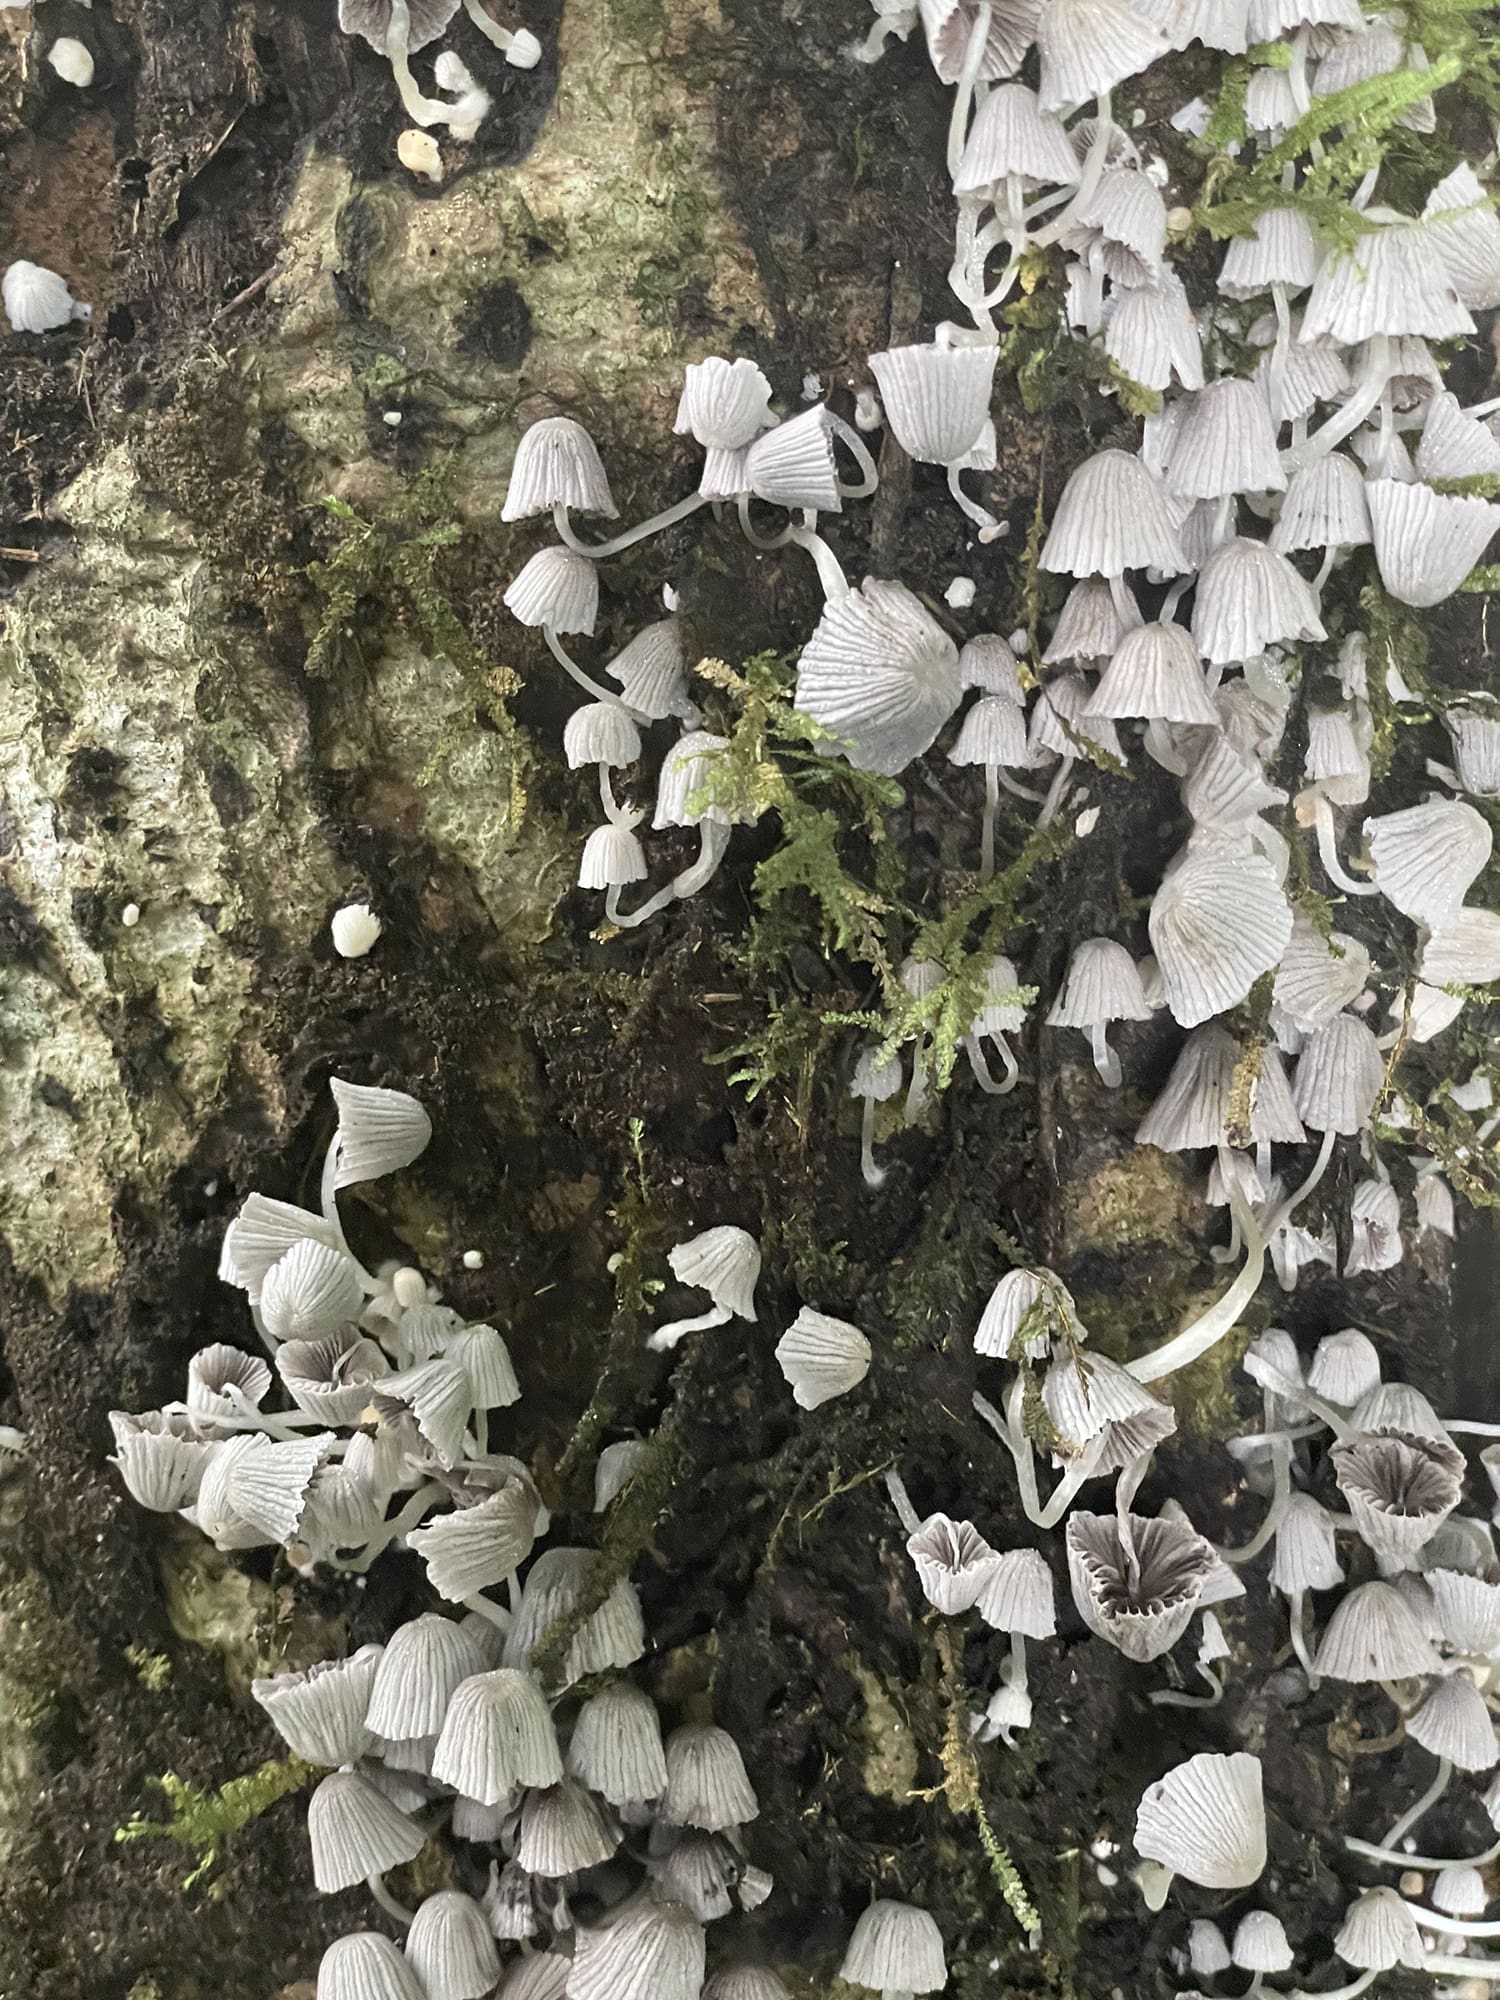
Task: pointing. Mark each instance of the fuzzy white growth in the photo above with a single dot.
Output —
(355, 929)
(37, 300)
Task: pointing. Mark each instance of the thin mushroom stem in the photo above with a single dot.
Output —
(1281, 1494)
(1016, 789)
(874, 1176)
(486, 1607)
(1297, 1630)
(987, 824)
(1349, 1992)
(1282, 1214)
(666, 1337)
(376, 1886)
(859, 451)
(1351, 413)
(421, 1502)
(571, 667)
(1088, 183)
(1181, 1698)
(916, 1092)
(988, 525)
(1057, 791)
(1106, 1062)
(421, 110)
(1013, 1673)
(1455, 1967)
(983, 1075)
(520, 50)
(895, 1485)
(713, 842)
(1368, 1851)
(1328, 850)
(830, 570)
(278, 1423)
(1211, 1326)
(613, 811)
(753, 535)
(597, 551)
(1424, 1804)
(1438, 1920)
(968, 76)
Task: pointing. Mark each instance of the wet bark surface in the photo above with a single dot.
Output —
(269, 289)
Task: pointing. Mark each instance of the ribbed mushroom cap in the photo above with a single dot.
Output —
(724, 1262)
(1088, 46)
(437, 1397)
(987, 663)
(1476, 750)
(331, 1378)
(1248, 600)
(614, 1469)
(1454, 1722)
(1465, 232)
(1379, 1932)
(745, 1982)
(707, 1785)
(1376, 50)
(953, 1562)
(214, 1370)
(1225, 443)
(689, 770)
(1397, 1407)
(482, 1354)
(1393, 282)
(1011, 134)
(557, 464)
(311, 1291)
(497, 1734)
(1017, 1297)
(1112, 517)
(423, 1662)
(1345, 1367)
(1400, 1490)
(162, 1468)
(895, 1948)
(1124, 222)
(1102, 985)
(821, 1357)
(948, 24)
(1306, 1556)
(1463, 952)
(261, 1234)
(1208, 1949)
(1017, 1595)
(474, 1547)
(1318, 977)
(696, 1871)
(508, 1903)
(936, 397)
(1206, 1820)
(355, 1831)
(1426, 856)
(556, 1584)
(1338, 1077)
(320, 1713)
(724, 404)
(558, 588)
(450, 1948)
(1297, 381)
(612, 858)
(1219, 920)
(880, 675)
(1455, 445)
(1093, 1401)
(1467, 1606)
(1372, 1636)
(792, 464)
(1260, 1943)
(1194, 1107)
(1217, 24)
(564, 1830)
(36, 300)
(371, 19)
(1004, 1011)
(379, 1131)
(1059, 716)
(1425, 542)
(652, 671)
(342, 1511)
(253, 1490)
(655, 1952)
(1325, 507)
(616, 1746)
(1459, 1892)
(1142, 1607)
(1338, 749)
(1226, 787)
(1279, 249)
(1089, 626)
(993, 732)
(1155, 673)
(600, 733)
(366, 1966)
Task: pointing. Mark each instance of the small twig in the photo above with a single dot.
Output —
(252, 290)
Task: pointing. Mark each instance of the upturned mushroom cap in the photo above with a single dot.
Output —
(953, 1562)
(1141, 1606)
(895, 1948)
(724, 404)
(1206, 1820)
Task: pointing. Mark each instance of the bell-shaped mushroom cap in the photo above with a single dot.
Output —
(564, 1830)
(1206, 1820)
(1392, 282)
(1219, 920)
(1155, 673)
(1372, 1636)
(1459, 1892)
(1455, 445)
(1426, 856)
(313, 1290)
(423, 1662)
(450, 1948)
(1017, 1595)
(895, 1948)
(616, 1746)
(1454, 1722)
(1338, 1078)
(1464, 230)
(655, 1952)
(948, 25)
(1088, 46)
(1208, 1949)
(1141, 1600)
(1295, 382)
(366, 1966)
(1217, 24)
(1034, 1300)
(474, 1547)
(355, 1831)
(372, 20)
(253, 1490)
(1102, 985)
(1345, 1367)
(1260, 1943)
(707, 1785)
(162, 1468)
(953, 1562)
(558, 588)
(821, 1357)
(1379, 1931)
(987, 663)
(1060, 716)
(1467, 1605)
(1464, 951)
(724, 404)
(612, 858)
(1112, 517)
(557, 1584)
(1400, 1490)
(544, 1976)
(379, 1132)
(482, 1354)
(36, 300)
(1195, 1107)
(1374, 1228)
(652, 671)
(320, 1713)
(1306, 1555)
(438, 1398)
(880, 674)
(792, 465)
(1093, 1401)
(1476, 750)
(1011, 134)
(1426, 543)
(688, 770)
(614, 1469)
(1325, 507)
(600, 733)
(509, 1904)
(1396, 1408)
(1318, 976)
(261, 1234)
(745, 1982)
(1279, 249)
(557, 465)
(497, 1735)
(696, 1871)
(1125, 220)
(993, 732)
(1152, 335)
(1089, 626)
(1004, 1011)
(1226, 787)
(936, 397)
(724, 1262)
(1225, 443)
(1248, 600)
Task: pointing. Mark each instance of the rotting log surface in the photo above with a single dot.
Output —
(269, 287)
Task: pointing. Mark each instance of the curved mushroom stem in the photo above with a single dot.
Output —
(586, 681)
(874, 1176)
(487, 1608)
(520, 47)
(872, 48)
(1291, 1390)
(276, 1424)
(1368, 389)
(1455, 1967)
(830, 570)
(968, 76)
(895, 1485)
(713, 842)
(1057, 791)
(1211, 1326)
(421, 1502)
(613, 811)
(1328, 849)
(1429, 1798)
(1281, 1494)
(597, 551)
(1105, 1060)
(1349, 1992)
(376, 1886)
(752, 535)
(982, 1073)
(666, 1337)
(1368, 1851)
(1296, 1620)
(1228, 1253)
(421, 110)
(1436, 1920)
(1282, 1214)
(1016, 789)
(1012, 1434)
(1180, 1698)
(859, 451)
(916, 1091)
(1093, 168)
(990, 529)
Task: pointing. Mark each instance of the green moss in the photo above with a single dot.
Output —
(202, 1821)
